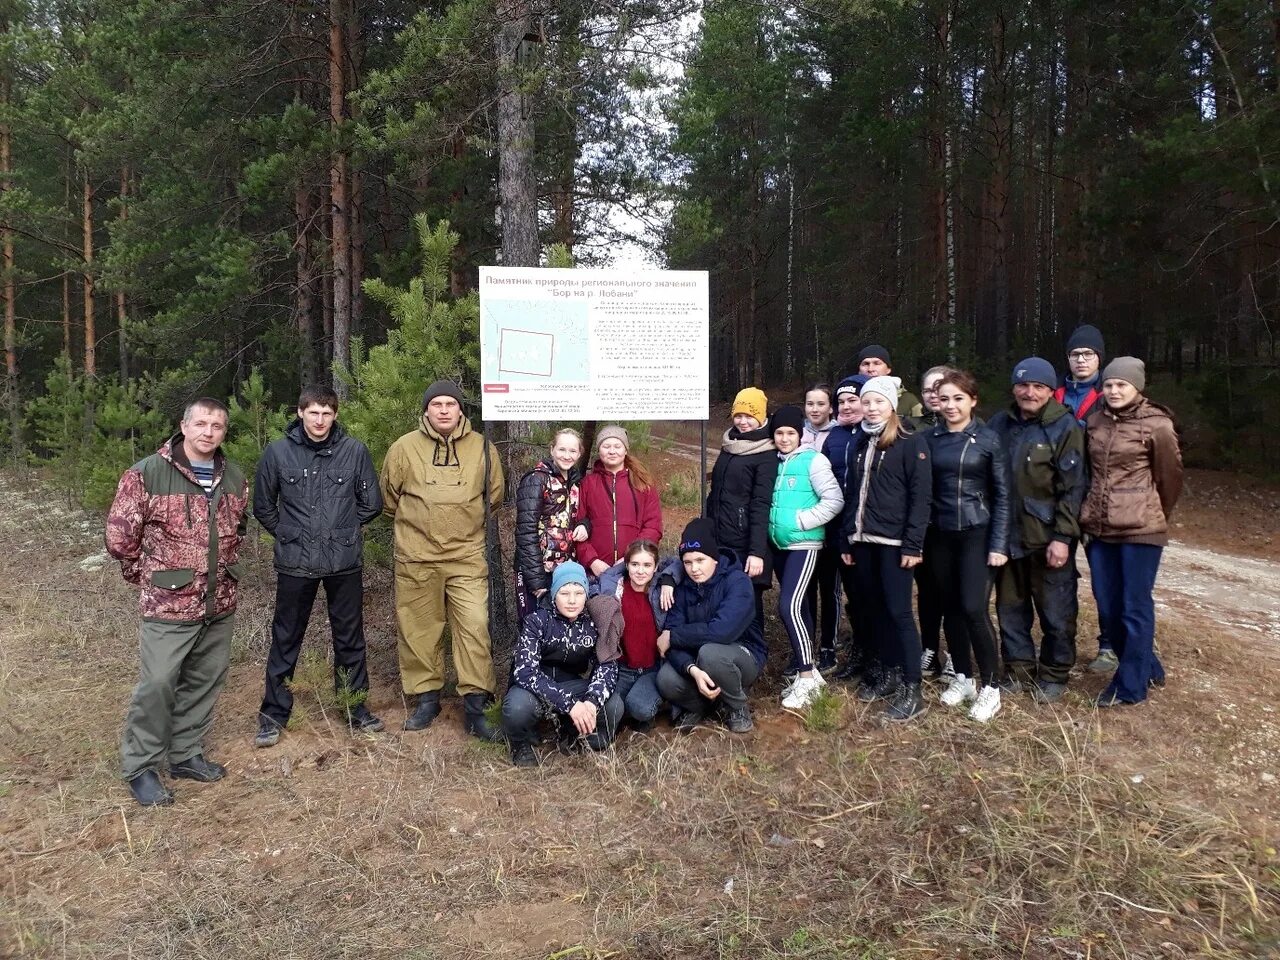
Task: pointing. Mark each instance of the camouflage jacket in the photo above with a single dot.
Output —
(169, 536)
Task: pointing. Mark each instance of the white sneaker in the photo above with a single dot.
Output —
(803, 691)
(926, 660)
(961, 690)
(949, 669)
(987, 705)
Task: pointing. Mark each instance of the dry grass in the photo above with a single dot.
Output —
(1027, 838)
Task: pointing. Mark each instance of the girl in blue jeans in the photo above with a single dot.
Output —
(645, 588)
(1136, 478)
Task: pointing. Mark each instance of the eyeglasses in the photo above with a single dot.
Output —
(1081, 355)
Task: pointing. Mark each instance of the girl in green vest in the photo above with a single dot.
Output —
(806, 497)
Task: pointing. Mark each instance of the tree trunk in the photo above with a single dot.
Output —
(340, 246)
(1002, 147)
(458, 261)
(517, 185)
(12, 406)
(90, 336)
(355, 51)
(122, 310)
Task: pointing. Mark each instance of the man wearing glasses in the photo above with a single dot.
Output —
(1081, 394)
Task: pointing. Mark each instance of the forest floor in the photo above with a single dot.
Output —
(1060, 832)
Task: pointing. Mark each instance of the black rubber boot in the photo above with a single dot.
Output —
(427, 710)
(149, 791)
(475, 722)
(198, 768)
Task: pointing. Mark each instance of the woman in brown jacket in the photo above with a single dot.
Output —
(1136, 471)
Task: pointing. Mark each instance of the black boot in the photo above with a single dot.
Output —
(198, 768)
(853, 667)
(906, 705)
(428, 709)
(475, 722)
(149, 791)
(878, 686)
(522, 755)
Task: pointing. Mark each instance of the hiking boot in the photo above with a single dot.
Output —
(688, 721)
(360, 720)
(827, 658)
(198, 768)
(1105, 662)
(738, 720)
(885, 687)
(804, 691)
(523, 755)
(268, 733)
(1047, 691)
(475, 722)
(961, 691)
(425, 712)
(987, 705)
(853, 668)
(149, 790)
(906, 705)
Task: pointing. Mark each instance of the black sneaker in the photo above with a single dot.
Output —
(1047, 691)
(198, 768)
(688, 721)
(885, 686)
(523, 755)
(906, 705)
(852, 669)
(360, 720)
(149, 790)
(268, 733)
(738, 720)
(826, 659)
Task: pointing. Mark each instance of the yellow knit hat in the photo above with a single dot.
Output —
(752, 402)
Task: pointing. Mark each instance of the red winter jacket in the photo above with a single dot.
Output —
(169, 536)
(619, 515)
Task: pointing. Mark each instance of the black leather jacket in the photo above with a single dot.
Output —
(314, 500)
(971, 482)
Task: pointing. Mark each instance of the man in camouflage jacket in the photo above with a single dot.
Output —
(175, 526)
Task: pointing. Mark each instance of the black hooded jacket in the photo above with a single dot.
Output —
(314, 498)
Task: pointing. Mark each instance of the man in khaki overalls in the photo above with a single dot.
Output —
(434, 483)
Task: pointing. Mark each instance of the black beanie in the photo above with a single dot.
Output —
(441, 388)
(699, 537)
(1087, 337)
(792, 417)
(875, 350)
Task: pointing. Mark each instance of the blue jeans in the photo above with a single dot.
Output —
(638, 690)
(1124, 576)
(522, 709)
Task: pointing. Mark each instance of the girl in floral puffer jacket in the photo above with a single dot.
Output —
(546, 501)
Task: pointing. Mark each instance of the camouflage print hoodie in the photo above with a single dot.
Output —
(169, 535)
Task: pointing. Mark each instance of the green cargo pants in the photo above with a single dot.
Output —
(182, 669)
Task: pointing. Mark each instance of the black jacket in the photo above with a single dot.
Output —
(971, 482)
(314, 500)
(1048, 476)
(740, 498)
(899, 493)
(545, 505)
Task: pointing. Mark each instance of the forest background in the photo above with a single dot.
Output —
(234, 197)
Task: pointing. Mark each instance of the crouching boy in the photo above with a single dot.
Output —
(558, 667)
(711, 655)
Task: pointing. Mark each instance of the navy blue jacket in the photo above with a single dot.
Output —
(718, 611)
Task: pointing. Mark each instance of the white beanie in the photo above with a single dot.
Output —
(887, 387)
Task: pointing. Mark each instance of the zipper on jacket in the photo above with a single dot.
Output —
(613, 497)
(960, 486)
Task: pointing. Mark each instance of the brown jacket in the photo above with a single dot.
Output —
(1136, 470)
(179, 545)
(434, 487)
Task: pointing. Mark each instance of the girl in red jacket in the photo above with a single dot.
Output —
(618, 503)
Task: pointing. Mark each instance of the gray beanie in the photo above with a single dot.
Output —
(441, 388)
(613, 432)
(1129, 369)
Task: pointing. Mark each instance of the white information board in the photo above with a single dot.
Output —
(593, 344)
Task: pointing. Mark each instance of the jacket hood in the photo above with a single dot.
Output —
(825, 428)
(171, 451)
(1051, 412)
(547, 465)
(460, 431)
(1143, 408)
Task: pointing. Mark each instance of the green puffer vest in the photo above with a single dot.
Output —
(792, 492)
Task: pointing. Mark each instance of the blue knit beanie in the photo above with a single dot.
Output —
(566, 573)
(1034, 370)
(853, 384)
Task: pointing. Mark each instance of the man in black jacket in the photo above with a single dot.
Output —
(316, 487)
